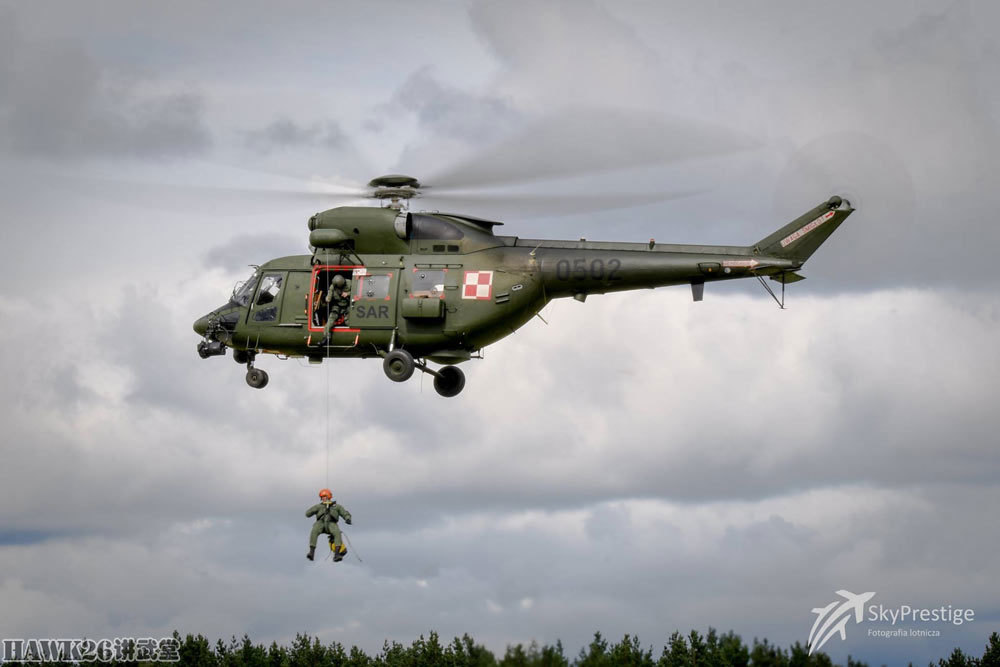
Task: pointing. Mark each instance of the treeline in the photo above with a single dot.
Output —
(691, 650)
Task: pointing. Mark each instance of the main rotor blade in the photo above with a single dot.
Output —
(214, 200)
(541, 205)
(584, 141)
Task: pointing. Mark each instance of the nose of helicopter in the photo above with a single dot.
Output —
(201, 325)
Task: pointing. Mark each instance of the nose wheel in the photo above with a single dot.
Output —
(399, 366)
(256, 377)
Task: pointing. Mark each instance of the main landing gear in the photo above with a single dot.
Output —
(400, 364)
(256, 377)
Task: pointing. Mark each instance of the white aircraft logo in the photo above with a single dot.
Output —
(833, 618)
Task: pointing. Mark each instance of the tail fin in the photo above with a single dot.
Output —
(801, 237)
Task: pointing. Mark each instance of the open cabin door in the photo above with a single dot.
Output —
(328, 305)
(348, 299)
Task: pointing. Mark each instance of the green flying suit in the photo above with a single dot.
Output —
(327, 515)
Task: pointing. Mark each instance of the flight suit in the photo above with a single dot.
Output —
(338, 302)
(327, 515)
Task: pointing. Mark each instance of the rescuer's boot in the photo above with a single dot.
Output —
(312, 553)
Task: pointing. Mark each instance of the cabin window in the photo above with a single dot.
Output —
(427, 283)
(374, 287)
(429, 227)
(270, 287)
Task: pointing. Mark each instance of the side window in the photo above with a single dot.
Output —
(266, 314)
(427, 283)
(270, 287)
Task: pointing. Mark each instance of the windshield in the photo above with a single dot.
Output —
(242, 293)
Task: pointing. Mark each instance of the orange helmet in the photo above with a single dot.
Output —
(325, 493)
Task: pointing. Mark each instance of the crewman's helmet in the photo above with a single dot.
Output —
(325, 494)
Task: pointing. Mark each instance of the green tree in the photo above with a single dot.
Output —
(515, 656)
(277, 656)
(469, 654)
(958, 659)
(991, 658)
(732, 651)
(675, 653)
(765, 654)
(595, 655)
(629, 653)
(196, 652)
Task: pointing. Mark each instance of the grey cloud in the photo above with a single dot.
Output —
(452, 118)
(59, 101)
(641, 463)
(901, 120)
(569, 53)
(522, 577)
(448, 111)
(246, 249)
(284, 133)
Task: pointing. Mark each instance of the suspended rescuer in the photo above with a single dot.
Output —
(327, 513)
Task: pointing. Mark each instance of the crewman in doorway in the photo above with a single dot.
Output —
(338, 304)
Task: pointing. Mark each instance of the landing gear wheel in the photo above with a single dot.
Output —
(257, 378)
(241, 357)
(449, 381)
(398, 365)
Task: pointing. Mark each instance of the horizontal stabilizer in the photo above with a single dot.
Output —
(787, 277)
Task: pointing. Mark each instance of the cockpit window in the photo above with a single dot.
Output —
(429, 227)
(270, 287)
(242, 294)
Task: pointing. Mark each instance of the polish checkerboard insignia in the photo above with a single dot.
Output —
(478, 285)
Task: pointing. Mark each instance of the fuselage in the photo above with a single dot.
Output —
(439, 287)
(453, 300)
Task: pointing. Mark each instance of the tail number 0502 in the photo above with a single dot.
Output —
(581, 270)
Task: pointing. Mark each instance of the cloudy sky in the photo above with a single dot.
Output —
(639, 464)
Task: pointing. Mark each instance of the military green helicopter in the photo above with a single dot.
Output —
(422, 288)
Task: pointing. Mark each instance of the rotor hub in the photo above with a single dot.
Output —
(394, 181)
(394, 190)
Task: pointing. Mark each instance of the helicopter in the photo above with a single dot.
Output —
(422, 288)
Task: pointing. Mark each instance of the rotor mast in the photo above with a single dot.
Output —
(394, 190)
